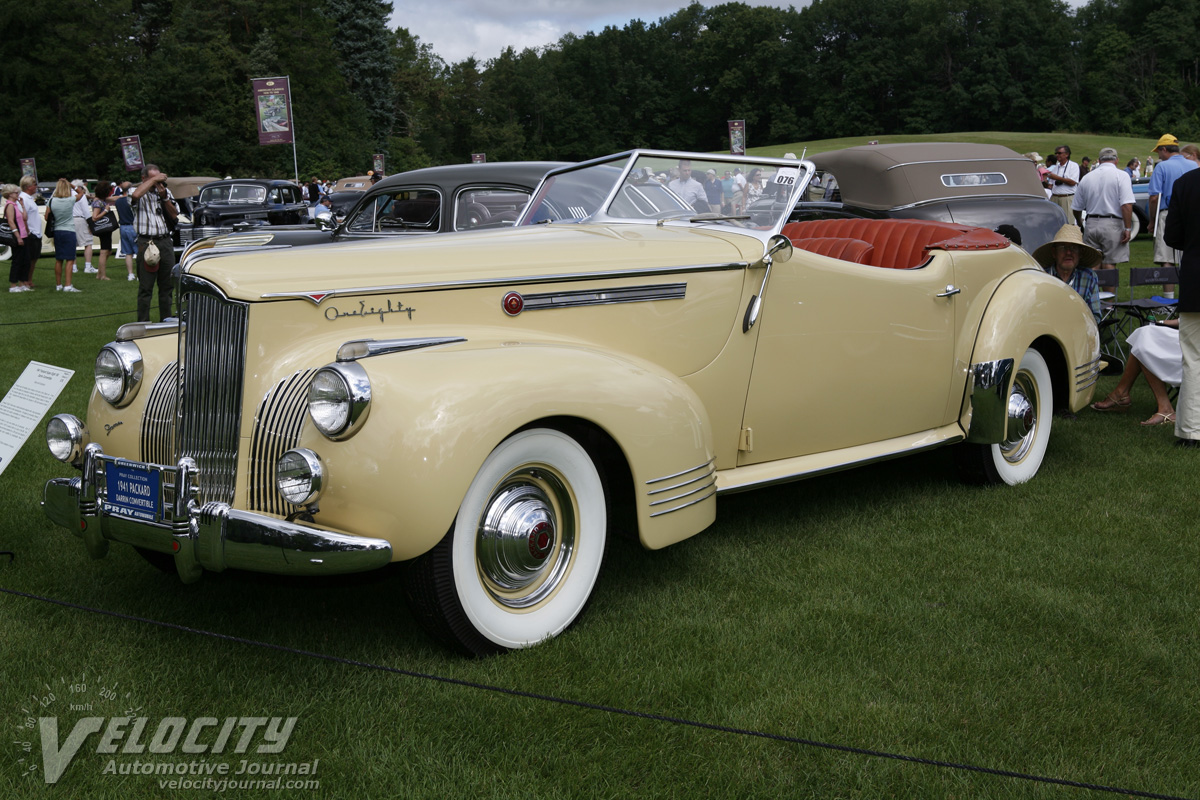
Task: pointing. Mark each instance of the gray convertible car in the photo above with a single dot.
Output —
(984, 185)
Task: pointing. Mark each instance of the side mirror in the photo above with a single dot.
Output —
(326, 223)
(779, 248)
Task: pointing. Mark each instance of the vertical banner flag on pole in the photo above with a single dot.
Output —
(131, 152)
(273, 107)
(377, 163)
(737, 137)
(29, 168)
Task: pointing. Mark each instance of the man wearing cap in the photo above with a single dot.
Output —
(79, 217)
(153, 207)
(1071, 261)
(1182, 232)
(712, 190)
(1171, 165)
(1063, 175)
(1106, 195)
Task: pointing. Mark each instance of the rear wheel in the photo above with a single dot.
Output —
(523, 555)
(1017, 458)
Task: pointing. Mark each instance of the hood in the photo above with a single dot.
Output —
(534, 252)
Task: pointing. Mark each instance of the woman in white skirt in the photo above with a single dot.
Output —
(1154, 352)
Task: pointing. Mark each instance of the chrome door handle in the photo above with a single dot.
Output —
(951, 289)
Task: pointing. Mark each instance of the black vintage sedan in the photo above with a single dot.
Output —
(453, 197)
(984, 185)
(225, 206)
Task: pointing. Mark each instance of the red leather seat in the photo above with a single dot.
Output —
(855, 250)
(897, 243)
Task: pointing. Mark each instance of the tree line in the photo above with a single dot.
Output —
(177, 73)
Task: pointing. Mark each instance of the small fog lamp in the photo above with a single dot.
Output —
(300, 476)
(66, 436)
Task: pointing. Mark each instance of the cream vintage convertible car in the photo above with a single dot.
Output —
(491, 407)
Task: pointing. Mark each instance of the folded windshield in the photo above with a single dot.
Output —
(671, 186)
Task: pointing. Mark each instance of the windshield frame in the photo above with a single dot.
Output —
(629, 160)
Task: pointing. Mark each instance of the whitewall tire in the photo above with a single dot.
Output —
(522, 558)
(1030, 413)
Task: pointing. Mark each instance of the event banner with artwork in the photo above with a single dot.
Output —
(478, 158)
(273, 106)
(29, 168)
(737, 137)
(378, 163)
(131, 152)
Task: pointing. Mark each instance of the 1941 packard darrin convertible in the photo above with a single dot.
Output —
(491, 407)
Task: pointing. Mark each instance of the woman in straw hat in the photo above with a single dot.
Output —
(1067, 257)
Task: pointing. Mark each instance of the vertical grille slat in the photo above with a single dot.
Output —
(212, 370)
(277, 428)
(158, 420)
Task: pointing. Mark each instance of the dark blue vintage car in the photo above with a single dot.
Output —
(228, 205)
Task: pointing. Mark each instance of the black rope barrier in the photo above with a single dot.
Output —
(596, 706)
(67, 319)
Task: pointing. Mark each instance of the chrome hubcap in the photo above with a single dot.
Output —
(525, 538)
(1022, 418)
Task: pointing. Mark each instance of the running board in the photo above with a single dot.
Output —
(756, 476)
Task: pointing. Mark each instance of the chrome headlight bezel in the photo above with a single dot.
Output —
(339, 399)
(123, 375)
(66, 437)
(300, 476)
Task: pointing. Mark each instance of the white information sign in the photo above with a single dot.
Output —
(26, 403)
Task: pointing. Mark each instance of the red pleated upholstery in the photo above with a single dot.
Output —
(897, 243)
(855, 250)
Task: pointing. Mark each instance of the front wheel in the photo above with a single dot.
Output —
(525, 550)
(1030, 406)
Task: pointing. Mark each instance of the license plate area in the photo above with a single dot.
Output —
(133, 490)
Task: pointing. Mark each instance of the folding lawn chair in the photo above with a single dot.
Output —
(1144, 308)
(1112, 346)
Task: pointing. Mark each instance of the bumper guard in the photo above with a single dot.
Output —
(213, 536)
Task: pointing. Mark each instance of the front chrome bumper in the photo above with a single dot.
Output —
(213, 536)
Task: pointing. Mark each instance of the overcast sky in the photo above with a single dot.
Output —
(458, 29)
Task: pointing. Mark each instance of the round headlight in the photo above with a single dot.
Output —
(119, 372)
(300, 476)
(66, 437)
(339, 399)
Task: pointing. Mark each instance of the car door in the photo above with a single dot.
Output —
(401, 210)
(849, 354)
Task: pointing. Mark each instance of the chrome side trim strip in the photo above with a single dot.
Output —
(827, 470)
(932, 200)
(652, 481)
(589, 297)
(1088, 374)
(365, 348)
(316, 297)
(708, 485)
(674, 486)
(685, 505)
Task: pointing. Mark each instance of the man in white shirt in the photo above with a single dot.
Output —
(688, 188)
(1064, 177)
(1106, 195)
(79, 216)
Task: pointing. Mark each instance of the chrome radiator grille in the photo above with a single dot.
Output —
(277, 426)
(212, 361)
(158, 420)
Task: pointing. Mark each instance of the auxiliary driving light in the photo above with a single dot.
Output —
(300, 476)
(66, 436)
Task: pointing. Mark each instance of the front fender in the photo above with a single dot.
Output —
(1031, 308)
(436, 415)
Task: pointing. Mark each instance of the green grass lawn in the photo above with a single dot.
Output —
(1049, 628)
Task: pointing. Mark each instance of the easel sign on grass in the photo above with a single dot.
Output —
(26, 403)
